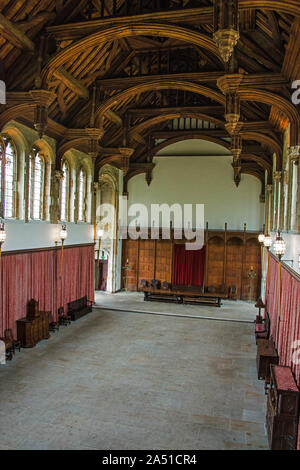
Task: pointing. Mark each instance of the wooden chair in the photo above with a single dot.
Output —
(232, 293)
(143, 283)
(165, 285)
(53, 325)
(8, 335)
(9, 349)
(262, 330)
(63, 319)
(154, 284)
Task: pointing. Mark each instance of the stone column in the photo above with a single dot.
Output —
(57, 176)
(268, 220)
(277, 199)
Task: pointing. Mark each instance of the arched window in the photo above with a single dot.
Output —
(82, 195)
(36, 185)
(8, 171)
(65, 191)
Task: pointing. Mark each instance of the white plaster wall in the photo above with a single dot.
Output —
(119, 243)
(292, 249)
(35, 234)
(202, 180)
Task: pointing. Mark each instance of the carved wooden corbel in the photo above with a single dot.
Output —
(236, 146)
(226, 26)
(126, 153)
(42, 99)
(229, 85)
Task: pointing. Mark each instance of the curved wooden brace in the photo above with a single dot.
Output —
(191, 136)
(287, 108)
(20, 110)
(260, 161)
(266, 140)
(157, 85)
(291, 7)
(117, 32)
(80, 144)
(252, 172)
(167, 117)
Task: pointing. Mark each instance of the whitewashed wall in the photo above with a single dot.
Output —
(22, 236)
(202, 180)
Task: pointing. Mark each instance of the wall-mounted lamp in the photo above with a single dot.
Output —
(268, 242)
(2, 236)
(63, 236)
(279, 246)
(262, 236)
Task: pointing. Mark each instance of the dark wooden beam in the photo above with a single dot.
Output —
(143, 112)
(15, 35)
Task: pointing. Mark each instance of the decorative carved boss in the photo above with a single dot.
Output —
(226, 26)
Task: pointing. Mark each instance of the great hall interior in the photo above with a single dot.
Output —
(114, 333)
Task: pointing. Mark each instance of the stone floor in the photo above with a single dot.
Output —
(123, 380)
(133, 301)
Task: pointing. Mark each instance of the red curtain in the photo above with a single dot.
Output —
(37, 275)
(288, 339)
(188, 266)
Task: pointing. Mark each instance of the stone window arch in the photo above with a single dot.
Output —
(8, 177)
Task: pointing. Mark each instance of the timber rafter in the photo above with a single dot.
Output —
(134, 74)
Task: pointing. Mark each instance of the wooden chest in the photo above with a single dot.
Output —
(282, 409)
(31, 331)
(266, 355)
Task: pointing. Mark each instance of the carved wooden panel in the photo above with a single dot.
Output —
(146, 260)
(234, 264)
(153, 259)
(215, 262)
(164, 260)
(131, 252)
(252, 258)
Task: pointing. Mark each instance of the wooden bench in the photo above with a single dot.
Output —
(79, 308)
(183, 297)
(262, 330)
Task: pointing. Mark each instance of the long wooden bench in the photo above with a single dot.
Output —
(78, 308)
(183, 297)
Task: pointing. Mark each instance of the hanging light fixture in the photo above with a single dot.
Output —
(268, 241)
(63, 236)
(279, 246)
(2, 236)
(261, 238)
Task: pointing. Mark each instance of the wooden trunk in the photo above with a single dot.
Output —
(282, 410)
(31, 331)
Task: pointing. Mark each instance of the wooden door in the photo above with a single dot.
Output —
(103, 275)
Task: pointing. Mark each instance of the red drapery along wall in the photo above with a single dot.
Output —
(288, 339)
(37, 275)
(188, 266)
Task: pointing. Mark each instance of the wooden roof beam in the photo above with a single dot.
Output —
(114, 117)
(142, 112)
(13, 34)
(72, 83)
